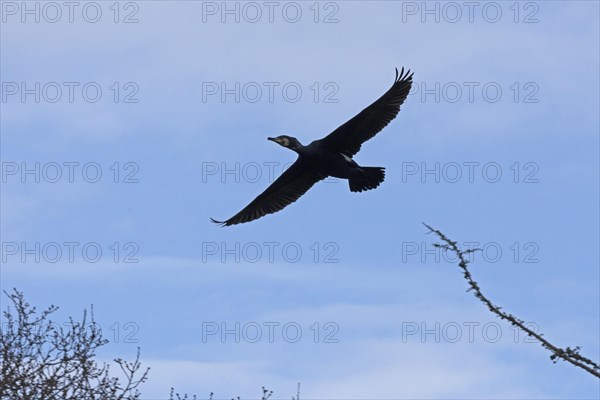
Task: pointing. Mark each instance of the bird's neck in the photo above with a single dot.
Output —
(299, 149)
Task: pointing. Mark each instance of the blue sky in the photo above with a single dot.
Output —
(497, 144)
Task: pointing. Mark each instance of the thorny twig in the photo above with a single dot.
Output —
(570, 355)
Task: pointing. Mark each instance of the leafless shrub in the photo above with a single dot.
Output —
(40, 359)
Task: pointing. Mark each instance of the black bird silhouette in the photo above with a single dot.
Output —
(330, 156)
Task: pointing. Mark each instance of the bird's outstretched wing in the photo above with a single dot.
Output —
(348, 138)
(286, 189)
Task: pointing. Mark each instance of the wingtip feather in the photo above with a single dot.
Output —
(221, 223)
(402, 76)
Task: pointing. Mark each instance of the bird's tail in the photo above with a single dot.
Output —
(368, 178)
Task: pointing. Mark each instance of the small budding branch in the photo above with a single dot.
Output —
(570, 355)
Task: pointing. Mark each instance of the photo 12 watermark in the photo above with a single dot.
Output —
(69, 172)
(253, 12)
(55, 12)
(466, 332)
(69, 252)
(247, 172)
(475, 92)
(453, 12)
(270, 252)
(526, 252)
(469, 172)
(269, 92)
(270, 332)
(89, 92)
(118, 332)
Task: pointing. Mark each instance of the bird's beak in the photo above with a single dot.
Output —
(272, 139)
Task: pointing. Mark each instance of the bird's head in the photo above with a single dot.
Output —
(286, 141)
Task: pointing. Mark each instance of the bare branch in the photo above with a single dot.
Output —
(570, 355)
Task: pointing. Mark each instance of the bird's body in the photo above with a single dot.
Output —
(327, 161)
(330, 156)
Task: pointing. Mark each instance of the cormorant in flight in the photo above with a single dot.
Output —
(330, 156)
